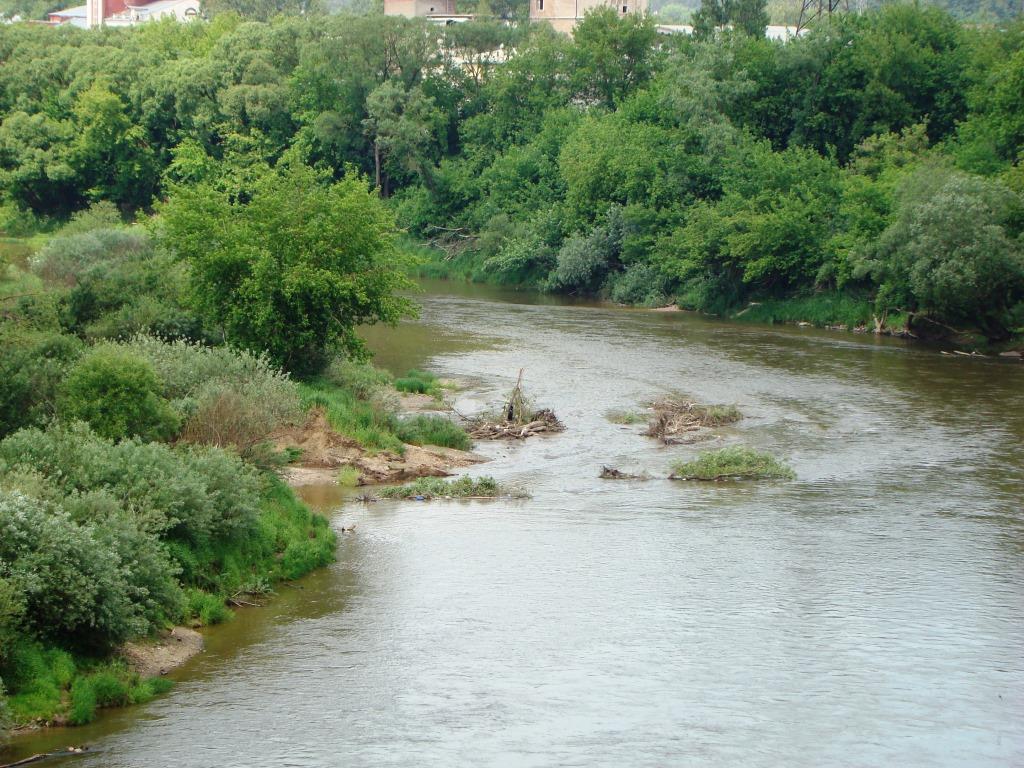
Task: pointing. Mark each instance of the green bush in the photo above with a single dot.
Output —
(6, 720)
(118, 395)
(110, 685)
(192, 494)
(36, 679)
(229, 397)
(361, 379)
(77, 581)
(426, 429)
(64, 258)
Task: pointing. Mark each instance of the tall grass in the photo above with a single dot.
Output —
(419, 382)
(425, 429)
(819, 310)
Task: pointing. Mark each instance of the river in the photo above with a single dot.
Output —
(870, 613)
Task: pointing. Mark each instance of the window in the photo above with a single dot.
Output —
(625, 9)
(540, 5)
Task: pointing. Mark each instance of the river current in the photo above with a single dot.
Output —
(869, 613)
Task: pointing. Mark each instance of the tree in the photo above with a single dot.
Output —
(110, 153)
(953, 252)
(613, 54)
(403, 125)
(295, 270)
(747, 16)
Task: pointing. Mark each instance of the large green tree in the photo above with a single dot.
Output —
(295, 270)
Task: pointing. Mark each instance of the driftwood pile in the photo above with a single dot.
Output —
(678, 420)
(541, 422)
(516, 421)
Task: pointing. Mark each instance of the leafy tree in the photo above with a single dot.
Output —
(111, 154)
(613, 54)
(294, 271)
(403, 125)
(36, 169)
(953, 251)
(747, 16)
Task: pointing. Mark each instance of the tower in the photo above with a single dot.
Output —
(812, 10)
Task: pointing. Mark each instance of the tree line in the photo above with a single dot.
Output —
(871, 167)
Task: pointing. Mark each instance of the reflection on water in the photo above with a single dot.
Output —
(869, 613)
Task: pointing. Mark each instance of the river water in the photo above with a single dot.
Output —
(870, 613)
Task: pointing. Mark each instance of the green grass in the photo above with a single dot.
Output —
(51, 684)
(437, 487)
(419, 382)
(719, 415)
(361, 379)
(425, 429)
(819, 310)
(348, 477)
(625, 417)
(364, 421)
(287, 542)
(733, 463)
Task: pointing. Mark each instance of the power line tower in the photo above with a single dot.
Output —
(812, 10)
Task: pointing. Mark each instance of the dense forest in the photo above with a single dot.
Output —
(866, 173)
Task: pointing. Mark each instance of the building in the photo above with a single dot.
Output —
(772, 31)
(125, 13)
(437, 11)
(563, 15)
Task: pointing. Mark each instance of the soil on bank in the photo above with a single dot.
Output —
(151, 657)
(325, 452)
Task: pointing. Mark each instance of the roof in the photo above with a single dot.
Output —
(77, 12)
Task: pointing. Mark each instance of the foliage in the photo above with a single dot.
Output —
(358, 377)
(118, 395)
(31, 369)
(733, 463)
(228, 397)
(435, 487)
(294, 270)
(953, 251)
(425, 429)
(81, 582)
(191, 495)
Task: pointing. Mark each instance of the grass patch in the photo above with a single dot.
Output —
(361, 379)
(436, 487)
(425, 429)
(625, 417)
(366, 422)
(733, 463)
(819, 310)
(420, 383)
(50, 684)
(348, 477)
